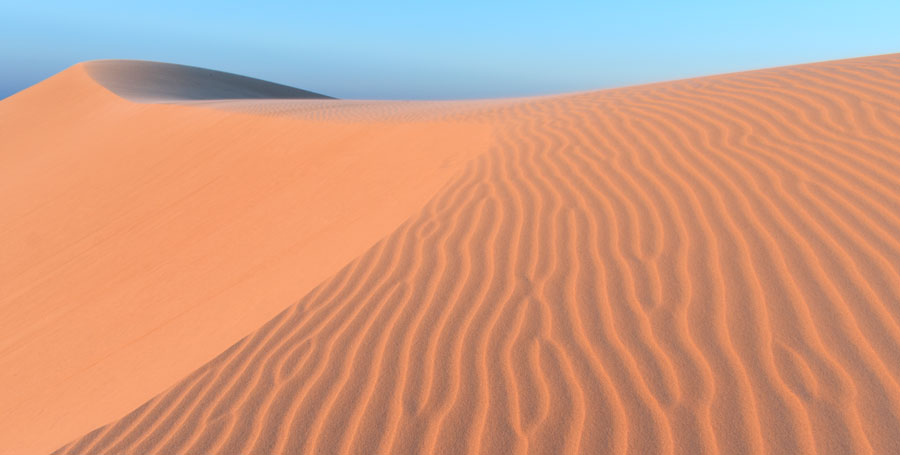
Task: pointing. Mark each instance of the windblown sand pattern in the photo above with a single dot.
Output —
(701, 266)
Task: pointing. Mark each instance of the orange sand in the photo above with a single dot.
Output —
(701, 266)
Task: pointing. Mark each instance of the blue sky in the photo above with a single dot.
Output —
(441, 50)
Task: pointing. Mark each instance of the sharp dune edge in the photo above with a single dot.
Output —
(143, 81)
(140, 240)
(699, 266)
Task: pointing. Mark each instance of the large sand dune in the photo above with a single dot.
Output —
(700, 266)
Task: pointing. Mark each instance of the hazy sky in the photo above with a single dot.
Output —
(431, 49)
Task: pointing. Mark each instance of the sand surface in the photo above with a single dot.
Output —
(709, 265)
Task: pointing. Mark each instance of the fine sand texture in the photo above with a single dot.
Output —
(139, 241)
(709, 265)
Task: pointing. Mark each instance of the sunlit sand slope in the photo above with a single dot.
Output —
(138, 241)
(701, 266)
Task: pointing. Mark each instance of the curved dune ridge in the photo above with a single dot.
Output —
(140, 240)
(701, 266)
(144, 81)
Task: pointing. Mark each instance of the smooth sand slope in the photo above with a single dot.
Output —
(700, 266)
(138, 241)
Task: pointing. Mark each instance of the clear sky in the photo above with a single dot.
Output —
(437, 50)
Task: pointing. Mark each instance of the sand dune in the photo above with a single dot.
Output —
(138, 241)
(700, 266)
(143, 81)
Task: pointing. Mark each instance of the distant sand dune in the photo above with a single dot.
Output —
(700, 266)
(155, 82)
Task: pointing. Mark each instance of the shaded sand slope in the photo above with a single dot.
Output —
(154, 81)
(138, 241)
(700, 266)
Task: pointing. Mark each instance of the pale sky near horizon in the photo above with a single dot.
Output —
(443, 50)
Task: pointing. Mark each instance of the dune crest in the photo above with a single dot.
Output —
(699, 266)
(144, 81)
